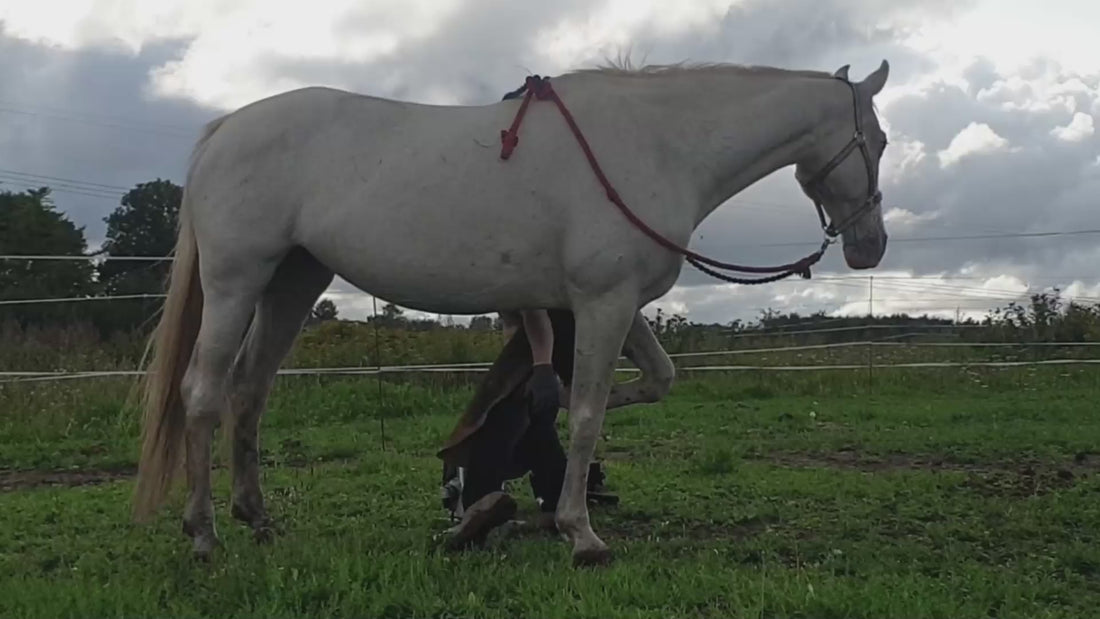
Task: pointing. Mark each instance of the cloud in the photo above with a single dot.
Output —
(1078, 129)
(989, 134)
(85, 115)
(975, 139)
(902, 220)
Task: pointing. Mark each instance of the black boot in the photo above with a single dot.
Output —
(488, 513)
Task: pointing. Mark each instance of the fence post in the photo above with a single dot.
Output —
(870, 343)
(378, 368)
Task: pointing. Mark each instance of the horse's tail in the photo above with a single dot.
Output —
(164, 419)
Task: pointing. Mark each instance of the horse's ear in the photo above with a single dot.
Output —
(842, 72)
(875, 81)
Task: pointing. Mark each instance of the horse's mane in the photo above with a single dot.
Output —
(624, 67)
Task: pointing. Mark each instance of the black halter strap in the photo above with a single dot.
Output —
(874, 196)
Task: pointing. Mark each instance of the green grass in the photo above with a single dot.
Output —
(922, 494)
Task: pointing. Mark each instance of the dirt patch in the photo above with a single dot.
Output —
(640, 526)
(1022, 477)
(13, 480)
(870, 463)
(1025, 481)
(21, 480)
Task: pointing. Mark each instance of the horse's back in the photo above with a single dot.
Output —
(412, 201)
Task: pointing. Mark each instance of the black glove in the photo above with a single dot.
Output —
(543, 390)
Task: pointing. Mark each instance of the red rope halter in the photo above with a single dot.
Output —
(540, 88)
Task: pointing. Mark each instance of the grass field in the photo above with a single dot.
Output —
(937, 493)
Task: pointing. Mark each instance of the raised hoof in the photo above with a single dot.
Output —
(591, 557)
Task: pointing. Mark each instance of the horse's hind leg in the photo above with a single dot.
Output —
(231, 288)
(285, 303)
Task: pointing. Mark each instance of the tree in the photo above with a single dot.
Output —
(30, 225)
(481, 323)
(143, 225)
(324, 310)
(391, 316)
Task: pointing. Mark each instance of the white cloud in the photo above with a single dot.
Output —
(231, 47)
(611, 26)
(228, 64)
(73, 24)
(1015, 32)
(903, 157)
(943, 295)
(233, 52)
(976, 138)
(1081, 289)
(904, 220)
(1078, 129)
(1039, 89)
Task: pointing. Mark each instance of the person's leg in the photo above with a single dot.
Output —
(485, 505)
(491, 450)
(540, 451)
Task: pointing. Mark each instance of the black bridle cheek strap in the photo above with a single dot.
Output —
(814, 185)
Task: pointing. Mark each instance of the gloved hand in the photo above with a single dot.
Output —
(543, 390)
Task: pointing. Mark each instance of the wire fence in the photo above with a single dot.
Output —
(814, 328)
(479, 367)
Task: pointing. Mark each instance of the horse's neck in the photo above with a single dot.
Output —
(738, 129)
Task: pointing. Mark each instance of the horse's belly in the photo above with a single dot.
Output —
(441, 268)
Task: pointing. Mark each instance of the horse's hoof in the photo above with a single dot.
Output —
(263, 534)
(203, 549)
(203, 543)
(252, 516)
(590, 557)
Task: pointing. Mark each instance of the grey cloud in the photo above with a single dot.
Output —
(1041, 183)
(488, 47)
(483, 51)
(1035, 184)
(819, 34)
(85, 116)
(981, 74)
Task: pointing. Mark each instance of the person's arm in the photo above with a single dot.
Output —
(540, 334)
(545, 399)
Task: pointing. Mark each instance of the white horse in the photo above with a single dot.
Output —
(414, 204)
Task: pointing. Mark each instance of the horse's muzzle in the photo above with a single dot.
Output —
(865, 254)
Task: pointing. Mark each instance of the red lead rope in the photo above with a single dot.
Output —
(540, 88)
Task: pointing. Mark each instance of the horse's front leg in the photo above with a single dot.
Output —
(602, 325)
(657, 370)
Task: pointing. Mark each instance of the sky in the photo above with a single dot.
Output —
(990, 109)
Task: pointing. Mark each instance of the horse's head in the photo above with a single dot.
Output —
(840, 172)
